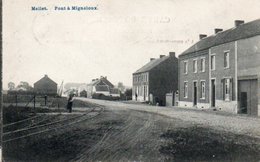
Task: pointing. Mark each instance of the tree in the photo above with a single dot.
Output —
(24, 85)
(128, 93)
(11, 86)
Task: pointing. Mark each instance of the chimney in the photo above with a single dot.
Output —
(202, 36)
(239, 22)
(93, 80)
(161, 56)
(217, 30)
(151, 59)
(172, 54)
(45, 75)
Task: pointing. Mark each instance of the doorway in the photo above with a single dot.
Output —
(213, 93)
(194, 93)
(243, 103)
(145, 93)
(247, 96)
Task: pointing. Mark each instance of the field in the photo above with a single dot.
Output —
(115, 132)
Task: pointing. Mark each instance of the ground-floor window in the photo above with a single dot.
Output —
(227, 89)
(202, 89)
(185, 89)
(146, 90)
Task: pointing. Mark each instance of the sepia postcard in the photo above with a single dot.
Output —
(130, 81)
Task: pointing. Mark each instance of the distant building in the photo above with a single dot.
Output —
(158, 77)
(45, 86)
(222, 71)
(121, 87)
(100, 86)
(82, 89)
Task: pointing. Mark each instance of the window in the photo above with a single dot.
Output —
(212, 62)
(226, 59)
(185, 89)
(202, 90)
(202, 65)
(195, 65)
(227, 89)
(185, 67)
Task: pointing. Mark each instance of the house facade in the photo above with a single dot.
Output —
(222, 71)
(45, 86)
(158, 77)
(101, 86)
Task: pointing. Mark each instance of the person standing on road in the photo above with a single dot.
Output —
(136, 96)
(70, 103)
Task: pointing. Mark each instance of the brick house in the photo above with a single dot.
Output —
(158, 77)
(45, 86)
(222, 71)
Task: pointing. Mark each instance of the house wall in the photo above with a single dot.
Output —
(89, 91)
(220, 73)
(248, 56)
(45, 87)
(140, 83)
(163, 79)
(190, 77)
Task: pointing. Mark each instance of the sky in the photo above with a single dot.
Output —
(114, 41)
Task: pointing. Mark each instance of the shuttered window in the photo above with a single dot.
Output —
(202, 90)
(185, 89)
(227, 89)
(202, 65)
(185, 67)
(212, 62)
(226, 59)
(195, 65)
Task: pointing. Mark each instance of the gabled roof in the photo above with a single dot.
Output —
(102, 88)
(102, 79)
(94, 82)
(45, 79)
(241, 32)
(152, 64)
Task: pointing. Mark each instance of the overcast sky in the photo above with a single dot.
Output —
(113, 41)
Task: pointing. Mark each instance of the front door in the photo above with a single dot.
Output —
(145, 93)
(194, 93)
(213, 93)
(243, 102)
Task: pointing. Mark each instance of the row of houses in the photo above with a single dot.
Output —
(221, 71)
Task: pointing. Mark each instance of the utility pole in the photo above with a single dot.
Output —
(45, 99)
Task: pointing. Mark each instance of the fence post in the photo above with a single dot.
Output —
(34, 103)
(45, 98)
(16, 100)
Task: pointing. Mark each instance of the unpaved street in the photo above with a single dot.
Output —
(126, 132)
(218, 120)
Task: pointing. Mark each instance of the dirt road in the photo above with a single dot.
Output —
(124, 132)
(244, 125)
